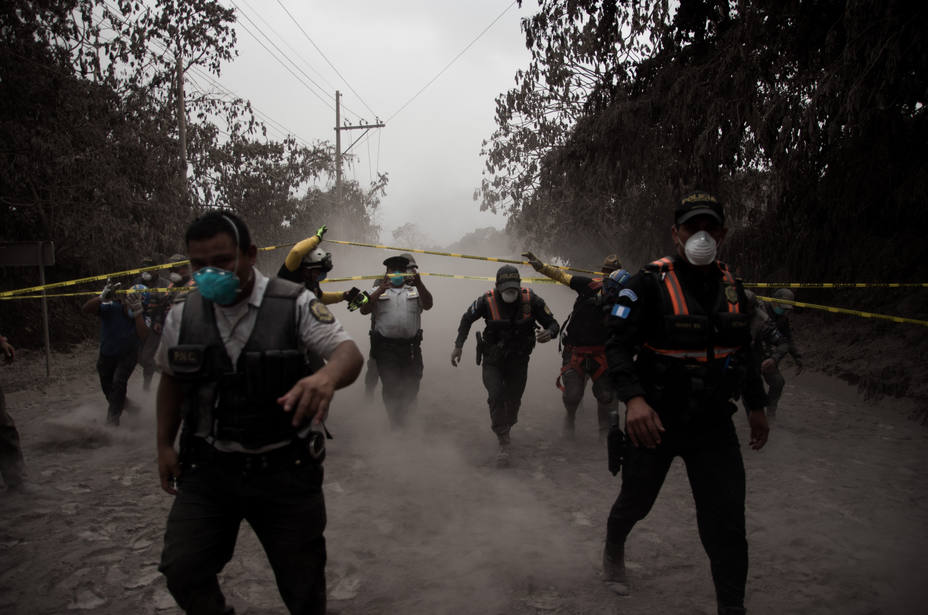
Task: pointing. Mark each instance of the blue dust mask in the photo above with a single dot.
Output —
(397, 279)
(217, 285)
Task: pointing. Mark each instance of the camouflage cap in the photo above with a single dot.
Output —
(611, 263)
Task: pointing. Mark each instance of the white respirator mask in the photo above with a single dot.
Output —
(700, 248)
(176, 277)
(509, 295)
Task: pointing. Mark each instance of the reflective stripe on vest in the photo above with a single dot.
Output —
(680, 308)
(494, 306)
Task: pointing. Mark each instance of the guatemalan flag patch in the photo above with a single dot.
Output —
(621, 311)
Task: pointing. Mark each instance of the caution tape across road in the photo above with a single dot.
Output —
(837, 310)
(493, 259)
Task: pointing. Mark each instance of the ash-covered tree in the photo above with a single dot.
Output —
(807, 116)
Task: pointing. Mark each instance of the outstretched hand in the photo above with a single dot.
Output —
(533, 261)
(456, 356)
(322, 230)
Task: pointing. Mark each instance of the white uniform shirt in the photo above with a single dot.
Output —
(398, 312)
(236, 323)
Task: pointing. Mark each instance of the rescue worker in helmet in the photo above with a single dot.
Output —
(512, 314)
(773, 354)
(308, 264)
(679, 351)
(584, 353)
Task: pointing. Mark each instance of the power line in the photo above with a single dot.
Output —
(205, 75)
(292, 18)
(289, 46)
(281, 62)
(453, 60)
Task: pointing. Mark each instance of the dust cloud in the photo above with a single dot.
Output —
(421, 521)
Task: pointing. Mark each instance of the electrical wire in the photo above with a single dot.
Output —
(324, 57)
(281, 62)
(453, 60)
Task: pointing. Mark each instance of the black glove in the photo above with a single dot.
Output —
(356, 298)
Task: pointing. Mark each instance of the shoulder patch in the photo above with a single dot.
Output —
(627, 292)
(321, 312)
(621, 311)
(547, 310)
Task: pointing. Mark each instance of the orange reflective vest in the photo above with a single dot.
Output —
(689, 332)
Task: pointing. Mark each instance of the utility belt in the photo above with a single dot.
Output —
(507, 342)
(688, 389)
(299, 452)
(395, 347)
(584, 360)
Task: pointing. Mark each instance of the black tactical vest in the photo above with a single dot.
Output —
(239, 403)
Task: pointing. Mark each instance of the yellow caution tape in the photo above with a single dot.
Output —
(493, 259)
(437, 275)
(837, 310)
(88, 293)
(836, 284)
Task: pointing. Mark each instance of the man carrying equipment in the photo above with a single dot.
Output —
(308, 264)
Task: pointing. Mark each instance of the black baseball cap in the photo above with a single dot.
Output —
(399, 260)
(699, 203)
(508, 277)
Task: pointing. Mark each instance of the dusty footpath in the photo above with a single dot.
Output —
(422, 521)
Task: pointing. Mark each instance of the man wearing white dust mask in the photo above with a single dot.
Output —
(512, 313)
(679, 353)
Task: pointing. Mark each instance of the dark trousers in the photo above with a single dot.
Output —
(775, 382)
(114, 377)
(12, 466)
(504, 379)
(400, 368)
(286, 510)
(574, 383)
(147, 358)
(716, 473)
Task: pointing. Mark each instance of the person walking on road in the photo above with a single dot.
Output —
(236, 378)
(584, 355)
(679, 352)
(512, 314)
(773, 354)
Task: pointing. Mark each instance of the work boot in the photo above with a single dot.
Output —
(569, 425)
(502, 457)
(614, 568)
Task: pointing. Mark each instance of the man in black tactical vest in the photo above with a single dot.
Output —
(679, 352)
(584, 344)
(511, 313)
(234, 372)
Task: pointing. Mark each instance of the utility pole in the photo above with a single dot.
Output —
(338, 143)
(181, 119)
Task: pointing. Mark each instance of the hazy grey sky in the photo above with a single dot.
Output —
(387, 51)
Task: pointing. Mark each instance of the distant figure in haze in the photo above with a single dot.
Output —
(12, 466)
(396, 340)
(122, 329)
(584, 353)
(154, 304)
(773, 354)
(511, 313)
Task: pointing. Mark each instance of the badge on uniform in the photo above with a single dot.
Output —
(547, 310)
(321, 312)
(731, 293)
(627, 292)
(621, 311)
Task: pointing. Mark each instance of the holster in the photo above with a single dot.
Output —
(479, 347)
(615, 444)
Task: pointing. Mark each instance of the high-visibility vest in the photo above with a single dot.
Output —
(689, 332)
